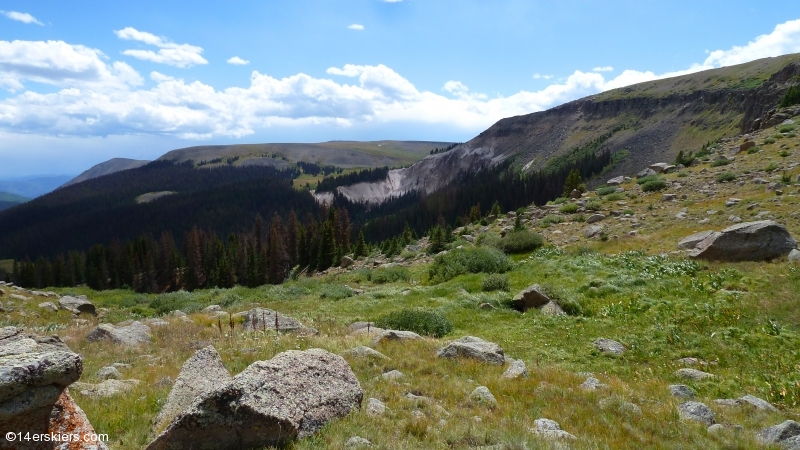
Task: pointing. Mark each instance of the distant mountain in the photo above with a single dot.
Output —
(33, 186)
(7, 200)
(106, 168)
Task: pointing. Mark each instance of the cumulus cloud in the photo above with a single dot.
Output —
(178, 55)
(61, 64)
(356, 26)
(21, 17)
(236, 61)
(603, 69)
(538, 76)
(784, 39)
(99, 98)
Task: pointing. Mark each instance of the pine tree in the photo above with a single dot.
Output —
(361, 246)
(574, 181)
(408, 236)
(495, 209)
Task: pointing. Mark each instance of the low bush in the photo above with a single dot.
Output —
(682, 174)
(568, 208)
(389, 275)
(754, 149)
(654, 185)
(468, 260)
(770, 140)
(771, 167)
(495, 282)
(420, 321)
(784, 153)
(605, 190)
(720, 162)
(593, 205)
(335, 292)
(563, 298)
(614, 197)
(550, 219)
(725, 177)
(558, 201)
(520, 241)
(644, 180)
(786, 128)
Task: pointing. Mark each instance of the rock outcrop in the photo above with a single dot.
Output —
(475, 348)
(270, 403)
(534, 297)
(131, 335)
(747, 241)
(77, 305)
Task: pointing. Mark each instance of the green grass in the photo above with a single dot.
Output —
(10, 197)
(725, 177)
(7, 265)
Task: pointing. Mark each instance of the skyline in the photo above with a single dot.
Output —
(77, 89)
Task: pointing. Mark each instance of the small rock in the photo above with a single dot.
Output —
(212, 309)
(346, 262)
(483, 397)
(595, 218)
(475, 348)
(609, 346)
(48, 306)
(550, 430)
(393, 375)
(698, 412)
(375, 407)
(357, 442)
(109, 373)
(105, 389)
(593, 231)
(669, 197)
(794, 255)
(516, 369)
(681, 391)
(692, 374)
(621, 406)
(592, 384)
(395, 335)
(486, 306)
(365, 352)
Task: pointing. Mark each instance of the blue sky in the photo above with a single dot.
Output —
(82, 82)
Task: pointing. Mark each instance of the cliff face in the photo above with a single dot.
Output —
(652, 121)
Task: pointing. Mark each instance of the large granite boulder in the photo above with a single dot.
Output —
(270, 403)
(77, 305)
(201, 374)
(747, 241)
(475, 348)
(34, 374)
(260, 319)
(131, 335)
(531, 297)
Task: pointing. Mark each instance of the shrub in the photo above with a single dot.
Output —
(488, 240)
(792, 97)
(495, 282)
(615, 196)
(786, 178)
(568, 208)
(579, 218)
(520, 241)
(605, 190)
(420, 321)
(644, 180)
(771, 167)
(753, 149)
(593, 205)
(558, 201)
(784, 153)
(550, 219)
(720, 162)
(654, 185)
(725, 177)
(563, 299)
(786, 128)
(682, 174)
(777, 136)
(389, 275)
(468, 260)
(770, 140)
(335, 291)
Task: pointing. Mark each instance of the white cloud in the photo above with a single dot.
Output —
(356, 26)
(61, 64)
(784, 39)
(538, 76)
(236, 61)
(21, 17)
(178, 55)
(603, 69)
(100, 98)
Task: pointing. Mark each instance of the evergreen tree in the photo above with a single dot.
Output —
(495, 209)
(573, 181)
(361, 246)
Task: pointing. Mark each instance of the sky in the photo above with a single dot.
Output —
(84, 82)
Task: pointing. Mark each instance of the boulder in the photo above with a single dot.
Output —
(131, 335)
(698, 412)
(34, 372)
(48, 306)
(109, 373)
(395, 335)
(346, 262)
(691, 241)
(746, 145)
(270, 403)
(592, 384)
(575, 194)
(593, 230)
(757, 403)
(77, 305)
(67, 417)
(531, 297)
(681, 391)
(357, 442)
(616, 181)
(779, 433)
(481, 396)
(393, 375)
(552, 309)
(692, 374)
(747, 241)
(516, 369)
(259, 319)
(475, 348)
(550, 430)
(595, 218)
(645, 173)
(375, 407)
(661, 167)
(106, 389)
(363, 351)
(200, 374)
(794, 255)
(609, 346)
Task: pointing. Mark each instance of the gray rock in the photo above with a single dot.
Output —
(483, 397)
(20, 297)
(475, 348)
(661, 167)
(616, 181)
(645, 173)
(531, 297)
(134, 334)
(48, 306)
(794, 255)
(592, 231)
(109, 373)
(748, 241)
(592, 384)
(346, 262)
(691, 242)
(200, 374)
(609, 346)
(393, 375)
(595, 218)
(757, 403)
(270, 403)
(375, 407)
(365, 352)
(516, 369)
(357, 442)
(259, 319)
(395, 335)
(552, 309)
(77, 305)
(355, 326)
(779, 433)
(106, 388)
(211, 309)
(669, 197)
(727, 402)
(681, 391)
(550, 430)
(792, 443)
(692, 374)
(698, 412)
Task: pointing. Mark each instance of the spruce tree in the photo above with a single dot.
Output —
(361, 246)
